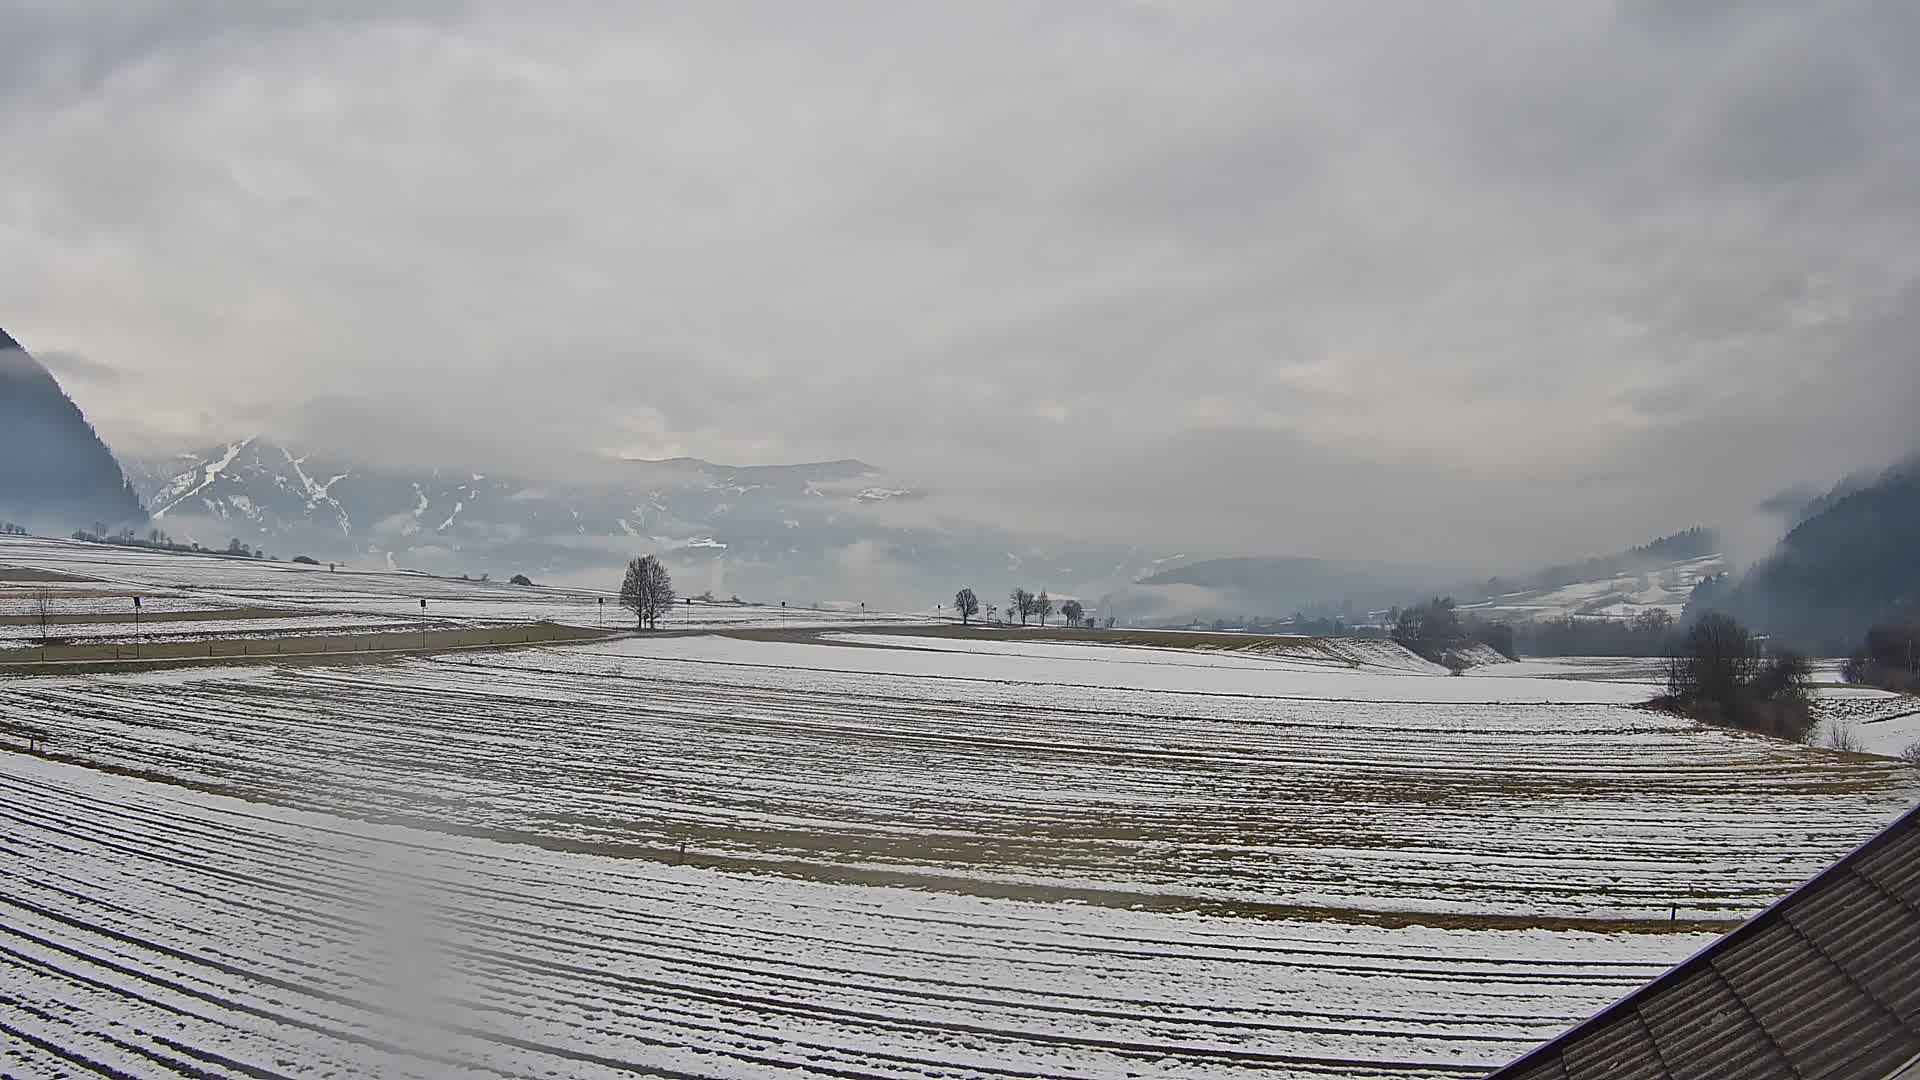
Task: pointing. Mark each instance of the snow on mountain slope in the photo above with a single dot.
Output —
(1621, 596)
(729, 529)
(258, 487)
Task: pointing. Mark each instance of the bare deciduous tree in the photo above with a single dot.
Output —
(1071, 611)
(1716, 675)
(1716, 659)
(1841, 736)
(41, 603)
(967, 604)
(1020, 602)
(647, 591)
(1043, 606)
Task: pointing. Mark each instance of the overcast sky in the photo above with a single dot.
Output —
(1286, 276)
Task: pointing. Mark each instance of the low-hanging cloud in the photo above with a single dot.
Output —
(1283, 277)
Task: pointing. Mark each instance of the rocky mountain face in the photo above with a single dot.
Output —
(819, 531)
(56, 474)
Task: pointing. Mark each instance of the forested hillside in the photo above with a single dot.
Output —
(55, 473)
(1853, 563)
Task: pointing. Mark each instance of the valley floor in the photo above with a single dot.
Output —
(858, 853)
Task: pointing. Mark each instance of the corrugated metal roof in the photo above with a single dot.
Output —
(1823, 984)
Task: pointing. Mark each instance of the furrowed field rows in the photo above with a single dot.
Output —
(25, 636)
(217, 581)
(1087, 665)
(151, 929)
(1120, 796)
(22, 604)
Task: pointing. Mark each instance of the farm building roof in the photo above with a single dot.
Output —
(1825, 983)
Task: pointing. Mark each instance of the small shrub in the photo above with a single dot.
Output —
(520, 579)
(306, 560)
(1841, 736)
(1911, 755)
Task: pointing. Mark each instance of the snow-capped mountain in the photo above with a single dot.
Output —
(822, 530)
(254, 486)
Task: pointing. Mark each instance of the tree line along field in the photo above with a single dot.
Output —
(859, 852)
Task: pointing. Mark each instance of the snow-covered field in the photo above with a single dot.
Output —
(1311, 674)
(885, 853)
(23, 601)
(153, 930)
(121, 633)
(208, 582)
(1126, 778)
(1866, 718)
(1874, 721)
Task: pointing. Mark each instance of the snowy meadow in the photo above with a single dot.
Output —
(843, 849)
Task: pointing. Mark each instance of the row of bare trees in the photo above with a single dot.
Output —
(1022, 603)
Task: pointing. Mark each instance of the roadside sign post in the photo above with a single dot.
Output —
(603, 613)
(423, 622)
(136, 627)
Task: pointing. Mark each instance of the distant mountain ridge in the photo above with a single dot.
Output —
(256, 487)
(1852, 561)
(1660, 573)
(55, 472)
(812, 529)
(1278, 585)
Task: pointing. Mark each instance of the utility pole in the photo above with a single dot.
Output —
(423, 623)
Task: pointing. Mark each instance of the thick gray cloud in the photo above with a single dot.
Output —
(1281, 277)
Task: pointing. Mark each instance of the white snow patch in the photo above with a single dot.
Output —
(179, 491)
